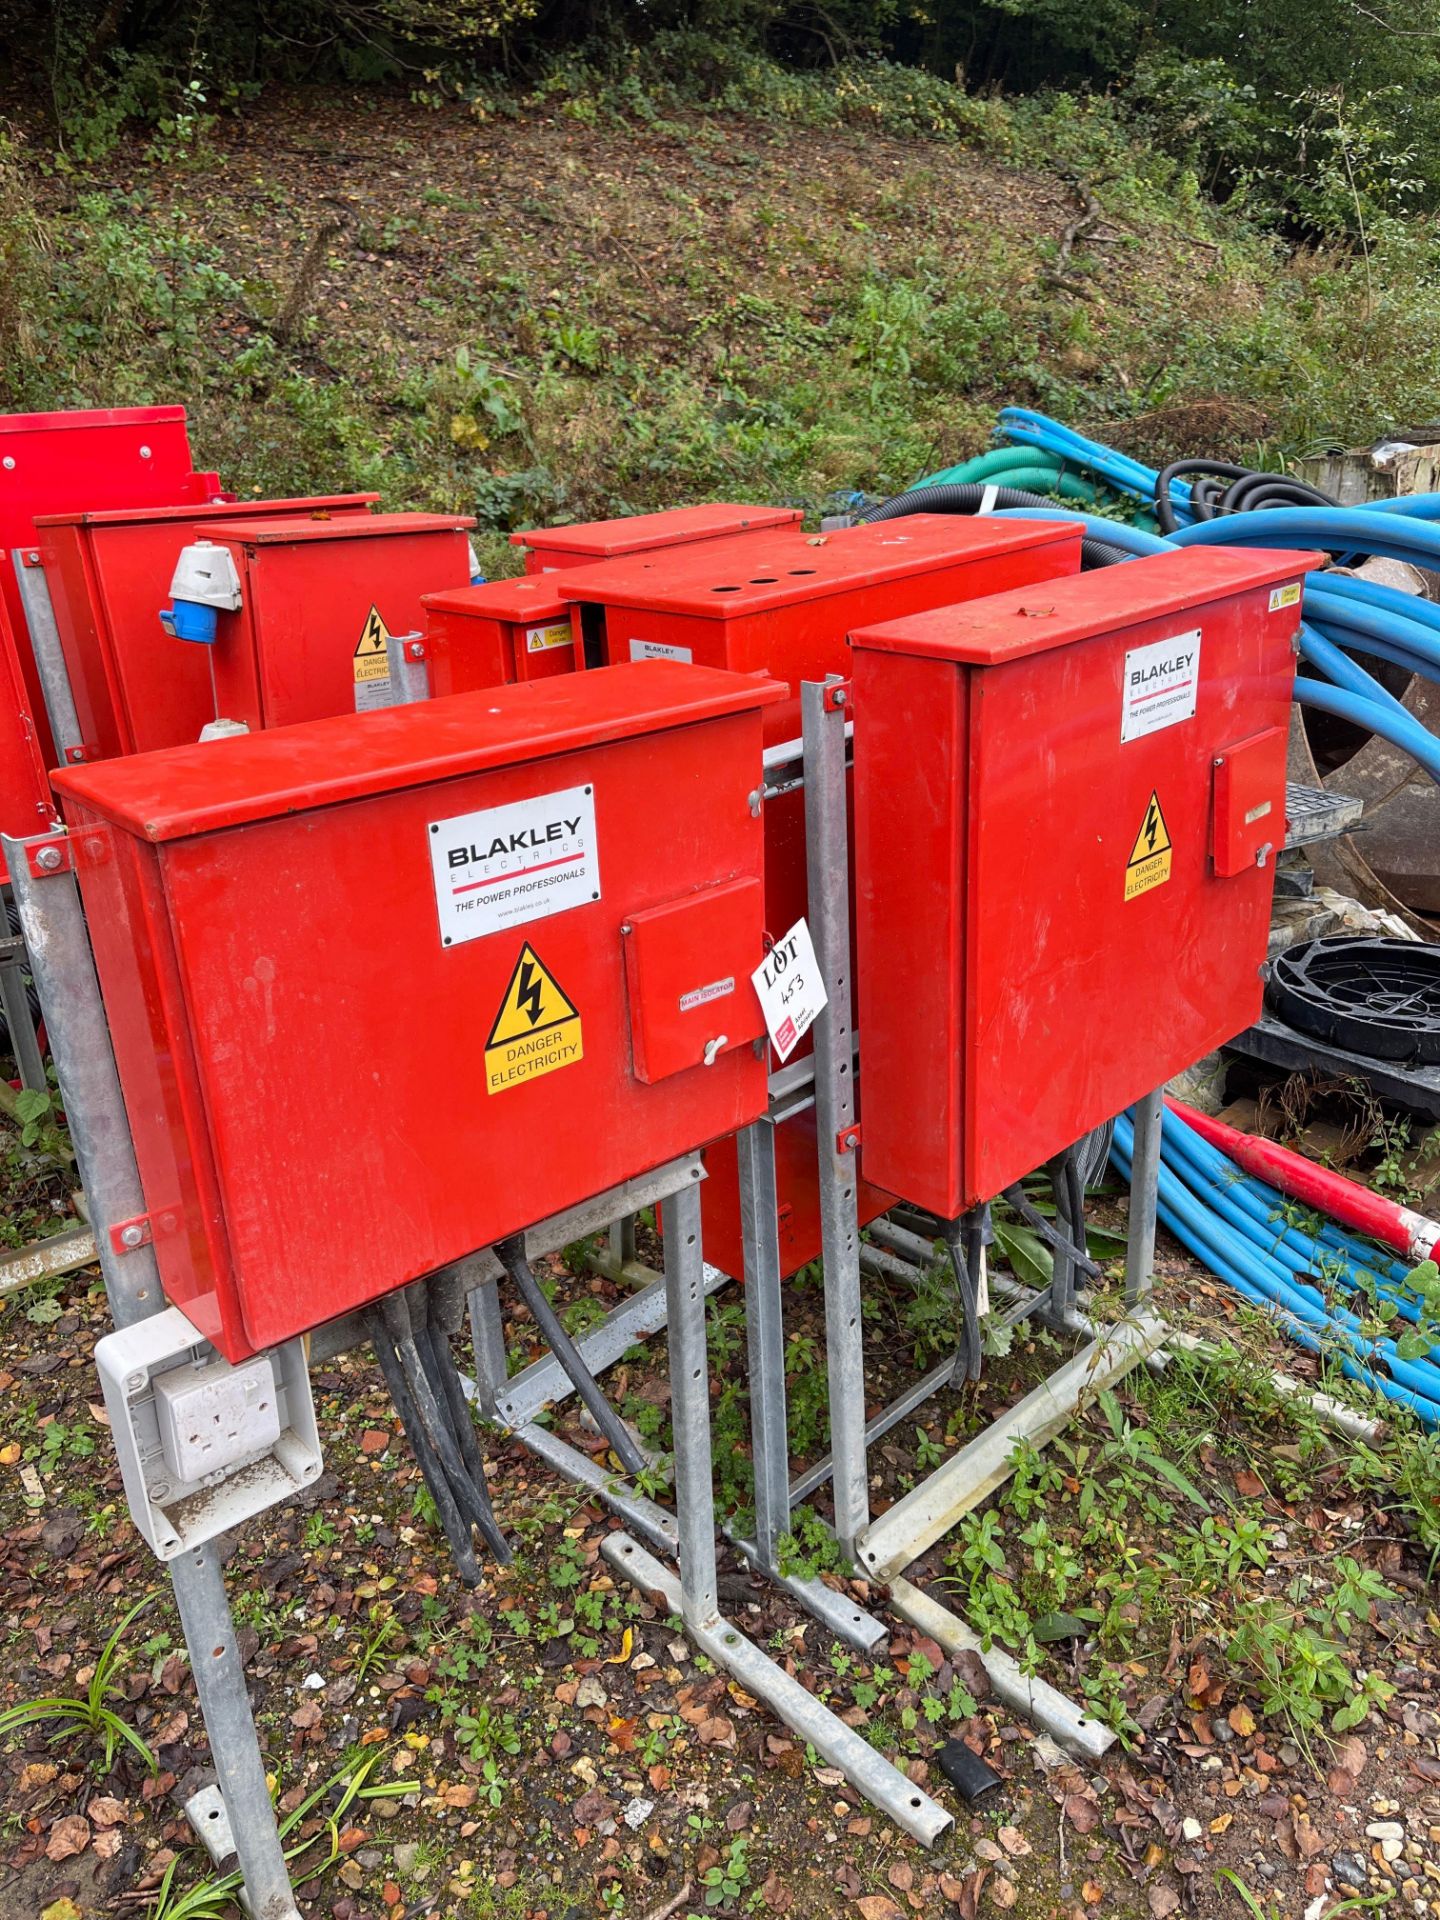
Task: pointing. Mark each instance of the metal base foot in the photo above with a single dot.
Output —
(969, 1477)
(1037, 1700)
(866, 1770)
(657, 1525)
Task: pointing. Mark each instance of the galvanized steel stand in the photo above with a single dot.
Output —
(64, 972)
(886, 1546)
(693, 1595)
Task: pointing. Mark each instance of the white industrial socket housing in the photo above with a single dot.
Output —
(206, 574)
(214, 1417)
(203, 1444)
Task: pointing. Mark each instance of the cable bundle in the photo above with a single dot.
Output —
(1247, 1235)
(1342, 615)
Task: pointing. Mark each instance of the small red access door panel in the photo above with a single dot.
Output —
(1053, 912)
(323, 597)
(52, 463)
(371, 988)
(109, 573)
(783, 602)
(552, 549)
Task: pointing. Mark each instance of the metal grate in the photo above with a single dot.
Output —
(1312, 814)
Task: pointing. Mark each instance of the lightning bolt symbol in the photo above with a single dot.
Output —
(1152, 825)
(372, 629)
(528, 993)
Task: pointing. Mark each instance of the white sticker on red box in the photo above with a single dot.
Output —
(505, 866)
(1161, 684)
(660, 650)
(790, 988)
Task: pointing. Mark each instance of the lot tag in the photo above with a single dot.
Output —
(790, 988)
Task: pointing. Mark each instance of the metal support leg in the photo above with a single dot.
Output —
(49, 653)
(234, 1745)
(694, 1596)
(827, 869)
(1144, 1196)
(63, 969)
(487, 1332)
(690, 1407)
(765, 1331)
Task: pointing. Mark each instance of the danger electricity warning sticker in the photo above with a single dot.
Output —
(536, 1030)
(371, 662)
(1149, 862)
(545, 639)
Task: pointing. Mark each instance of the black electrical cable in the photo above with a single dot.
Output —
(1076, 1183)
(1019, 1200)
(965, 1243)
(473, 1502)
(510, 1252)
(970, 497)
(1203, 493)
(433, 1341)
(456, 1530)
(1250, 488)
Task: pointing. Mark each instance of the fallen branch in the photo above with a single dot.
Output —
(673, 1905)
(1091, 214)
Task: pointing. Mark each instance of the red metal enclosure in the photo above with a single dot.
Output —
(372, 992)
(135, 686)
(783, 602)
(1045, 932)
(505, 630)
(323, 597)
(51, 463)
(550, 549)
(794, 626)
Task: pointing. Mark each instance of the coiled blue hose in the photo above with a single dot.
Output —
(1244, 1232)
(1357, 696)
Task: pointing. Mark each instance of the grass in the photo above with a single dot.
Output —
(620, 290)
(90, 1715)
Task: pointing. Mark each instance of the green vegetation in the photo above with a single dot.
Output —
(1107, 1541)
(684, 270)
(91, 1716)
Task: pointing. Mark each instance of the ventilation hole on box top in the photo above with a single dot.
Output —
(795, 572)
(724, 589)
(763, 579)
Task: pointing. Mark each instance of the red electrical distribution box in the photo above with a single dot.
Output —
(551, 549)
(504, 630)
(783, 603)
(321, 600)
(135, 687)
(52, 463)
(1067, 807)
(384, 988)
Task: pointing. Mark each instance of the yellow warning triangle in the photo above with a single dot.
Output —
(533, 1001)
(1154, 835)
(374, 636)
